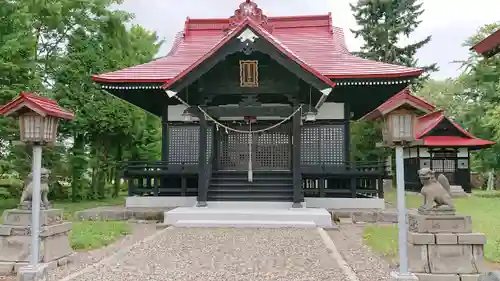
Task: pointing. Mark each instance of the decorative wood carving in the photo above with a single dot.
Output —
(251, 10)
(249, 73)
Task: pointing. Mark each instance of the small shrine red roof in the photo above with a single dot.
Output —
(489, 46)
(430, 121)
(312, 39)
(403, 97)
(41, 105)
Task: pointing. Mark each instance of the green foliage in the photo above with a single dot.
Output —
(383, 24)
(473, 99)
(53, 47)
(365, 135)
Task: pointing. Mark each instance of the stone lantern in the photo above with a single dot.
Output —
(399, 123)
(38, 121)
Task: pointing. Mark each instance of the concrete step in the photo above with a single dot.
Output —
(254, 216)
(245, 224)
(250, 204)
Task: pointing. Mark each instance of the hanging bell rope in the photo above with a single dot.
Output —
(227, 128)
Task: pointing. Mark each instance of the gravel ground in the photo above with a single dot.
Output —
(224, 254)
(84, 259)
(367, 265)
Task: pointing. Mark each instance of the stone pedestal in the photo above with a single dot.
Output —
(443, 248)
(15, 239)
(457, 191)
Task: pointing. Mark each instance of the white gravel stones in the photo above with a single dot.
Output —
(367, 265)
(185, 254)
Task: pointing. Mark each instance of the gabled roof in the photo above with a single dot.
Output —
(489, 46)
(242, 30)
(401, 98)
(41, 105)
(312, 38)
(430, 121)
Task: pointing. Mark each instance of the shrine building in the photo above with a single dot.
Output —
(444, 145)
(256, 108)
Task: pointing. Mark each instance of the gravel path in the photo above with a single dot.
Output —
(84, 259)
(367, 265)
(187, 254)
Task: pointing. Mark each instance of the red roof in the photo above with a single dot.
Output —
(41, 105)
(430, 121)
(311, 38)
(248, 22)
(401, 98)
(489, 45)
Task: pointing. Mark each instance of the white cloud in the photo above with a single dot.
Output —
(450, 22)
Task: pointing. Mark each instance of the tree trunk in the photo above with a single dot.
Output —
(118, 171)
(78, 166)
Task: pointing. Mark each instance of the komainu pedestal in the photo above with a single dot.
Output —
(442, 247)
(15, 239)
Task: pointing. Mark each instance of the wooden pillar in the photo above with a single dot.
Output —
(164, 142)
(202, 162)
(347, 133)
(297, 176)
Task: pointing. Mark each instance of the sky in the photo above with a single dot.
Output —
(450, 22)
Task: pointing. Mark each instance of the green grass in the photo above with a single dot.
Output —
(89, 235)
(482, 206)
(85, 235)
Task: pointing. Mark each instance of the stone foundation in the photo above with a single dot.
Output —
(457, 191)
(444, 248)
(15, 239)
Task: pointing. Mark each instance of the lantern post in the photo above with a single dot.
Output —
(398, 132)
(38, 121)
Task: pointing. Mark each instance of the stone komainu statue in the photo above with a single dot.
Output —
(27, 195)
(436, 192)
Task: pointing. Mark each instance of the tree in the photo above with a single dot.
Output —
(383, 23)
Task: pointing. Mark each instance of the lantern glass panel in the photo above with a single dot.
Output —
(38, 129)
(402, 126)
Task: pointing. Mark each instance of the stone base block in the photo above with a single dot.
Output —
(9, 268)
(418, 258)
(395, 276)
(490, 276)
(439, 224)
(29, 273)
(18, 217)
(457, 191)
(469, 277)
(437, 277)
(6, 268)
(457, 259)
(15, 242)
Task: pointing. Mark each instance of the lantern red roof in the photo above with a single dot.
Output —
(489, 46)
(312, 39)
(404, 97)
(430, 121)
(40, 105)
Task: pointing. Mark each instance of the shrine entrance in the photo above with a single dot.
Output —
(270, 150)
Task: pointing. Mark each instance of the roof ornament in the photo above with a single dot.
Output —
(249, 9)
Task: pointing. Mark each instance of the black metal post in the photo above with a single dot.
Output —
(297, 176)
(164, 142)
(202, 162)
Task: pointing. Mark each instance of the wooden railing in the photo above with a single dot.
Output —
(348, 180)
